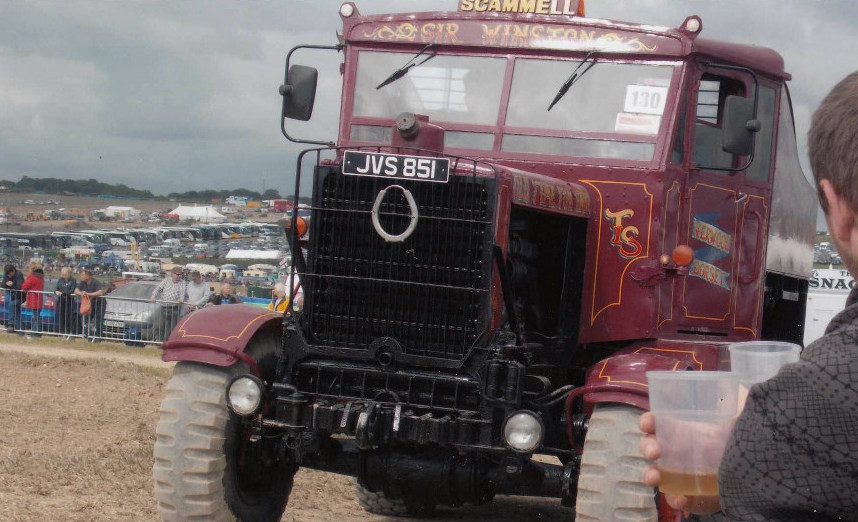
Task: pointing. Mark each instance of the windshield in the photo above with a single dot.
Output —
(612, 111)
(134, 290)
(437, 89)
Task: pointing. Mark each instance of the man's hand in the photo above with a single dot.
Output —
(651, 450)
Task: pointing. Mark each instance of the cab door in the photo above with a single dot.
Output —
(724, 220)
(755, 212)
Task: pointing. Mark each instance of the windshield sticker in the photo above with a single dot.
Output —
(645, 99)
(637, 123)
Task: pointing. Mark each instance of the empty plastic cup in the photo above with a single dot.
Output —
(694, 413)
(758, 361)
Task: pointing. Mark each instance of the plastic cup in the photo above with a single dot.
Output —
(758, 361)
(694, 413)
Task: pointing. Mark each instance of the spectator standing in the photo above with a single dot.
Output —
(34, 286)
(91, 323)
(171, 293)
(279, 300)
(793, 451)
(12, 282)
(197, 291)
(66, 285)
(223, 297)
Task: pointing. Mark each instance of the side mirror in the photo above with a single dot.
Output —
(299, 92)
(739, 126)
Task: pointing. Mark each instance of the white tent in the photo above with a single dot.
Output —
(252, 254)
(120, 212)
(206, 214)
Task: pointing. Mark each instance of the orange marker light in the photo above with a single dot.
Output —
(301, 225)
(682, 255)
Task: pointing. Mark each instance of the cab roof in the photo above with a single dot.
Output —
(556, 33)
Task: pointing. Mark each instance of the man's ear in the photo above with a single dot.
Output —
(840, 217)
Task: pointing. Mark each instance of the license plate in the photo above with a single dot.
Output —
(119, 324)
(380, 165)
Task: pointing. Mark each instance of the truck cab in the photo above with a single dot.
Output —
(524, 211)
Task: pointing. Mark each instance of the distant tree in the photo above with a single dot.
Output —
(250, 194)
(271, 194)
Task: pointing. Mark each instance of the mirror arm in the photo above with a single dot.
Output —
(286, 88)
(754, 123)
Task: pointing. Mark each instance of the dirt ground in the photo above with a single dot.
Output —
(76, 443)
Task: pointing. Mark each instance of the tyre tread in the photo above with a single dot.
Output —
(188, 481)
(609, 485)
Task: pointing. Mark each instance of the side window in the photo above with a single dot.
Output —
(711, 96)
(759, 169)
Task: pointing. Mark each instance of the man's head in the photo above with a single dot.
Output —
(86, 275)
(196, 276)
(225, 289)
(177, 273)
(833, 148)
(9, 270)
(279, 290)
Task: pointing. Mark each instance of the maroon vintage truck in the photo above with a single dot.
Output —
(523, 212)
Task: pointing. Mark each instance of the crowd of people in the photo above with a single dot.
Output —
(28, 292)
(79, 310)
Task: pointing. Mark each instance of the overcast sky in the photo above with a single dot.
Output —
(181, 95)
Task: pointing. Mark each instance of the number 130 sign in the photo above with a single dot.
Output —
(645, 99)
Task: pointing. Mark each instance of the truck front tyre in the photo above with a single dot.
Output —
(205, 468)
(380, 504)
(609, 485)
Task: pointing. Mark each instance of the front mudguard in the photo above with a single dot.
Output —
(621, 378)
(218, 335)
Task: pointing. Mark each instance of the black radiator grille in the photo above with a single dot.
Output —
(435, 391)
(429, 292)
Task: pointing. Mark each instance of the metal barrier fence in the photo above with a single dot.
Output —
(132, 320)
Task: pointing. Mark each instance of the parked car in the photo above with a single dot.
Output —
(130, 315)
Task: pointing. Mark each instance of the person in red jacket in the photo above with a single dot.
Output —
(34, 285)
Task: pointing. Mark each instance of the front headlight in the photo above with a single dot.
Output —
(244, 395)
(523, 431)
(142, 317)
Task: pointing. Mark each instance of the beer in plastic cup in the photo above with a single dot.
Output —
(694, 414)
(758, 361)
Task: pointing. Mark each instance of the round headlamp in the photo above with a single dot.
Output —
(523, 431)
(244, 395)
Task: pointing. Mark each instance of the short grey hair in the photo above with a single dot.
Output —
(279, 289)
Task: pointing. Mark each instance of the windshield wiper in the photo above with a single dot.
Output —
(574, 77)
(402, 71)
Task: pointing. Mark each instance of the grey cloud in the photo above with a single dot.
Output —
(172, 96)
